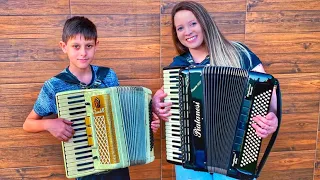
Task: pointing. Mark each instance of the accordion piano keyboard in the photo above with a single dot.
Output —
(172, 127)
(77, 153)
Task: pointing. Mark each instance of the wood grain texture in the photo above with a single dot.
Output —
(278, 43)
(115, 7)
(135, 41)
(210, 5)
(36, 7)
(228, 23)
(283, 22)
(276, 5)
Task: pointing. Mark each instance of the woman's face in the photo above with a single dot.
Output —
(188, 30)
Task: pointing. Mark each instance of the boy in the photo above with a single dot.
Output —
(79, 42)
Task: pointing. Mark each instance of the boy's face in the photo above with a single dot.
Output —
(80, 52)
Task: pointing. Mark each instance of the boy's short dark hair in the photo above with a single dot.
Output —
(79, 25)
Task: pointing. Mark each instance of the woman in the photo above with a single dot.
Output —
(198, 41)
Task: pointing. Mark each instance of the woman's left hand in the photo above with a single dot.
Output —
(265, 125)
(155, 124)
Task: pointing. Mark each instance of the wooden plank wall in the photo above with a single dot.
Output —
(129, 34)
(135, 41)
(285, 34)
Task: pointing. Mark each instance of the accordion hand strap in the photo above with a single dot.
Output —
(274, 135)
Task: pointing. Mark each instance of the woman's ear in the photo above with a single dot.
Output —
(63, 46)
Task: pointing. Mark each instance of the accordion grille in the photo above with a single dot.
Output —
(107, 143)
(223, 94)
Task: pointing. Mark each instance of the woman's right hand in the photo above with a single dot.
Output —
(161, 108)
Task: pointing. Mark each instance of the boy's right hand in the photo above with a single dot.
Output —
(162, 109)
(60, 128)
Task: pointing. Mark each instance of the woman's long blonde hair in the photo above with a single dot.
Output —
(221, 51)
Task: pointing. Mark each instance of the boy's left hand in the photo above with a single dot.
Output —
(265, 125)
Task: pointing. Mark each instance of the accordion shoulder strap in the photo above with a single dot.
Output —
(67, 77)
(274, 135)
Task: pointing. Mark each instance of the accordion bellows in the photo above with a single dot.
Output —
(112, 129)
(210, 127)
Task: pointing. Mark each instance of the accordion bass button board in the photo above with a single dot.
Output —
(112, 129)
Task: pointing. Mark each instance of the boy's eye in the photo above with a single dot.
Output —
(76, 46)
(89, 46)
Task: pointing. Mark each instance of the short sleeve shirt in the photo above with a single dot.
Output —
(46, 103)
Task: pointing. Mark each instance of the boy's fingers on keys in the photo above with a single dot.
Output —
(69, 129)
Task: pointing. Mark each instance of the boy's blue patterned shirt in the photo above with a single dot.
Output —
(46, 102)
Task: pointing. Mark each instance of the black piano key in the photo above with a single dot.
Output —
(81, 135)
(77, 119)
(79, 112)
(79, 129)
(78, 101)
(83, 164)
(82, 140)
(83, 157)
(82, 152)
(73, 97)
(78, 107)
(81, 147)
(175, 146)
(84, 169)
(80, 124)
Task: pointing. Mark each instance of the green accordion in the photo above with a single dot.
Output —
(112, 129)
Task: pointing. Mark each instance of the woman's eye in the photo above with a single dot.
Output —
(179, 29)
(193, 23)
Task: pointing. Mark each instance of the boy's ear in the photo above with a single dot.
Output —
(63, 46)
(97, 43)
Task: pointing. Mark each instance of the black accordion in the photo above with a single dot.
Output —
(212, 109)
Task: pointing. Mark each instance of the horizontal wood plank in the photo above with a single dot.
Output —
(228, 23)
(300, 83)
(31, 27)
(294, 141)
(122, 25)
(299, 122)
(277, 43)
(37, 7)
(276, 5)
(43, 155)
(36, 156)
(283, 22)
(126, 25)
(115, 7)
(26, 94)
(290, 63)
(289, 160)
(40, 71)
(51, 172)
(287, 174)
(211, 6)
(48, 49)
